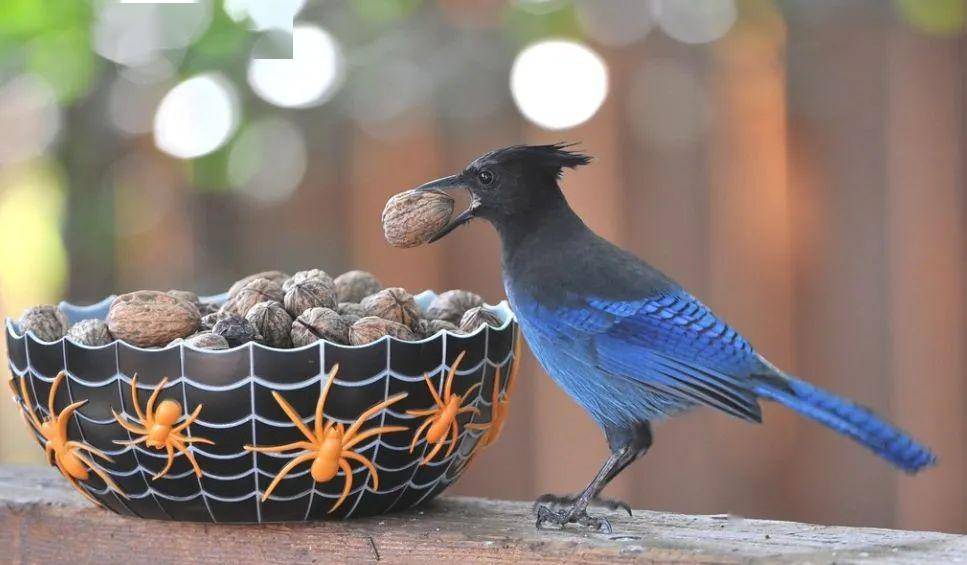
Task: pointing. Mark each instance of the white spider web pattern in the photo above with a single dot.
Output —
(456, 460)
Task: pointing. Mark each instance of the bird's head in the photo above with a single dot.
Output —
(512, 182)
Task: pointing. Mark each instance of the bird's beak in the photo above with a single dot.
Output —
(443, 185)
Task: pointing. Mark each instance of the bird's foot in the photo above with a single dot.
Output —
(559, 502)
(560, 518)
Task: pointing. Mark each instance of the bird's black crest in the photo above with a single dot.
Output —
(552, 158)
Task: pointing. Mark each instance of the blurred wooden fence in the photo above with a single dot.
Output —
(823, 212)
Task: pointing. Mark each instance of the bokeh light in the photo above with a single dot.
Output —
(277, 14)
(268, 160)
(695, 21)
(196, 117)
(137, 33)
(558, 84)
(616, 22)
(309, 78)
(29, 118)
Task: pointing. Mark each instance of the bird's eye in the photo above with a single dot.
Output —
(486, 177)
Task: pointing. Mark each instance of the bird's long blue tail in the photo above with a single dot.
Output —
(847, 418)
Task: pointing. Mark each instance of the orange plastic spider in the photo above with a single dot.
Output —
(60, 450)
(500, 403)
(329, 445)
(157, 427)
(442, 418)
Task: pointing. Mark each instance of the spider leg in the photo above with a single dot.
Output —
(469, 390)
(423, 412)
(466, 409)
(496, 392)
(303, 445)
(285, 471)
(371, 411)
(346, 470)
(367, 463)
(321, 403)
(419, 431)
(83, 491)
(429, 457)
(370, 433)
(100, 473)
(294, 416)
(65, 416)
(478, 427)
(28, 404)
(135, 399)
(188, 421)
(454, 433)
(131, 442)
(88, 448)
(149, 409)
(53, 392)
(133, 428)
(436, 396)
(203, 440)
(171, 459)
(448, 387)
(180, 445)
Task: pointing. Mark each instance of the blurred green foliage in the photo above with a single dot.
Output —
(935, 17)
(50, 38)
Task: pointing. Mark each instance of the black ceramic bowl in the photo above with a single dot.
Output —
(239, 391)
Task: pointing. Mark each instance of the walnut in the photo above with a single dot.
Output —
(319, 323)
(208, 320)
(476, 317)
(255, 291)
(276, 276)
(148, 318)
(90, 332)
(272, 321)
(371, 328)
(394, 304)
(411, 218)
(189, 297)
(351, 309)
(303, 276)
(430, 328)
(236, 330)
(309, 292)
(351, 319)
(46, 321)
(353, 286)
(204, 340)
(452, 304)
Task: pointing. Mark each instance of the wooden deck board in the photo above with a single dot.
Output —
(43, 521)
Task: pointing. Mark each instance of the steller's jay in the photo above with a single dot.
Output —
(626, 342)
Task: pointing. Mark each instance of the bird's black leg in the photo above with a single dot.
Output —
(625, 448)
(559, 501)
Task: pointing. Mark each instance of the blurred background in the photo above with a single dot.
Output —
(797, 164)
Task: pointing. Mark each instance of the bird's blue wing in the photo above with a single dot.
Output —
(670, 343)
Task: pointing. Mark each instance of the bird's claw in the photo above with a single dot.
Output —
(565, 501)
(561, 518)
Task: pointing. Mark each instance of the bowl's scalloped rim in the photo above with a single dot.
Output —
(80, 312)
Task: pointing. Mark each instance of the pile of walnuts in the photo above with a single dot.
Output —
(271, 308)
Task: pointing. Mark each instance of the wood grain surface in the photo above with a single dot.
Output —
(43, 521)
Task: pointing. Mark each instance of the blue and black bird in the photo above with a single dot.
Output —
(626, 342)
